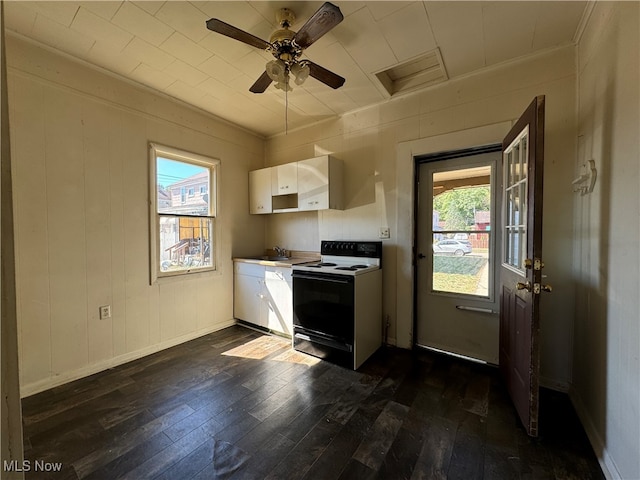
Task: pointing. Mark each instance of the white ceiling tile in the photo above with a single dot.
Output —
(458, 31)
(106, 9)
(556, 23)
(217, 89)
(219, 69)
(181, 47)
(362, 38)
(185, 72)
(238, 14)
(97, 27)
(118, 62)
(225, 47)
(347, 8)
(63, 38)
(185, 18)
(380, 10)
(18, 17)
(141, 24)
(508, 29)
(252, 64)
(185, 92)
(147, 53)
(150, 6)
(61, 12)
(307, 103)
(413, 18)
(152, 77)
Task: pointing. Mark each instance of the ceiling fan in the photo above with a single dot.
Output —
(287, 47)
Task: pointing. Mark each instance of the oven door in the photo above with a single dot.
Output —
(323, 305)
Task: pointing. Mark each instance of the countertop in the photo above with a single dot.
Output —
(294, 258)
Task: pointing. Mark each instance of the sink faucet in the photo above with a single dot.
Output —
(281, 252)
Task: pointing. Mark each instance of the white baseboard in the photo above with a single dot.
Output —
(607, 464)
(46, 384)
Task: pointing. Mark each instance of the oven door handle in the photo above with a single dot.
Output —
(323, 278)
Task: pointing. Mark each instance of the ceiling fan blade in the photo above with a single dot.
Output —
(327, 17)
(325, 76)
(223, 28)
(261, 83)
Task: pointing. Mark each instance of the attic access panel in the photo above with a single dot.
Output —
(419, 72)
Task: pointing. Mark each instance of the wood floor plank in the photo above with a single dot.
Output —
(340, 450)
(375, 445)
(237, 404)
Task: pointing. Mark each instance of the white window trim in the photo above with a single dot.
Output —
(158, 150)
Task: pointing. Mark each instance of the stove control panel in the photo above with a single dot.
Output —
(371, 249)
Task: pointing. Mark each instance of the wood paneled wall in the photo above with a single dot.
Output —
(82, 208)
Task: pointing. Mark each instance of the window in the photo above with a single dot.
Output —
(182, 223)
(515, 202)
(461, 230)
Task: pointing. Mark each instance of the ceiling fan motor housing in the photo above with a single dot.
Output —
(285, 17)
(282, 39)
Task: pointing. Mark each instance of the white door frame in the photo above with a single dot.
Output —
(405, 205)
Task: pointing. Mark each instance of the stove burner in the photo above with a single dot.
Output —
(346, 268)
(325, 264)
(360, 266)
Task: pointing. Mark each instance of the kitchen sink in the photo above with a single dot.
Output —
(269, 258)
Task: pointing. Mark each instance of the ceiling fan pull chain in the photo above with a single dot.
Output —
(286, 105)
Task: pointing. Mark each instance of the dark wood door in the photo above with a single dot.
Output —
(521, 266)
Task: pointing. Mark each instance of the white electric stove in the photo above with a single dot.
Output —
(337, 302)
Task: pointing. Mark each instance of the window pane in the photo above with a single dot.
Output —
(185, 243)
(515, 217)
(461, 230)
(182, 187)
(461, 266)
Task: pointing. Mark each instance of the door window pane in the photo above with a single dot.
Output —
(515, 202)
(461, 231)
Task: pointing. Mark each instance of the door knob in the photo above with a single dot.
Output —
(524, 286)
(546, 288)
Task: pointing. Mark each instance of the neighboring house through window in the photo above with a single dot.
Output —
(183, 211)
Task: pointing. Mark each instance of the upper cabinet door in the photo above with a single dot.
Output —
(284, 179)
(319, 184)
(260, 191)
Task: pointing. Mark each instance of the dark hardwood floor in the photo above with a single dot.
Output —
(238, 404)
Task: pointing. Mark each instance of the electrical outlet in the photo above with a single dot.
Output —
(105, 312)
(384, 232)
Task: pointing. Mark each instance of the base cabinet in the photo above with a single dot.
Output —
(263, 296)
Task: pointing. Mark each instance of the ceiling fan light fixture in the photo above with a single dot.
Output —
(277, 70)
(300, 72)
(284, 85)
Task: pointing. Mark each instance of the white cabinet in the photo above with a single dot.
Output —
(320, 184)
(284, 179)
(263, 296)
(312, 184)
(260, 191)
(278, 289)
(248, 293)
